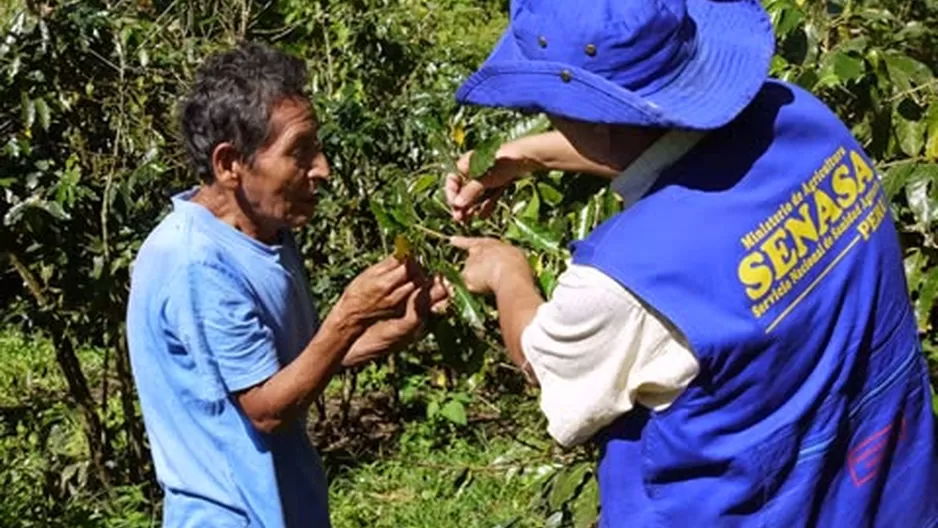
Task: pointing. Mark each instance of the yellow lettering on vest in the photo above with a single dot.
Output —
(780, 254)
(802, 228)
(827, 210)
(844, 186)
(755, 275)
(864, 173)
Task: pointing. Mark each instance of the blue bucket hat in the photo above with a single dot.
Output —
(692, 64)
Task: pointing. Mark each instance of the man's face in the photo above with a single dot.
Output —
(280, 186)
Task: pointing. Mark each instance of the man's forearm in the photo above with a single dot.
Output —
(552, 151)
(517, 299)
(290, 390)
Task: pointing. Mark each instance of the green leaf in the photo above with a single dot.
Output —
(555, 520)
(527, 127)
(787, 19)
(914, 265)
(586, 508)
(931, 122)
(548, 281)
(925, 303)
(42, 112)
(28, 110)
(532, 210)
(551, 195)
(423, 183)
(539, 237)
(911, 134)
(848, 68)
(469, 308)
(385, 222)
(403, 210)
(584, 220)
(433, 408)
(612, 205)
(455, 412)
(904, 71)
(483, 158)
(934, 403)
(920, 195)
(566, 484)
(896, 178)
(858, 45)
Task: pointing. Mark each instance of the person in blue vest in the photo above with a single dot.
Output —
(226, 345)
(738, 340)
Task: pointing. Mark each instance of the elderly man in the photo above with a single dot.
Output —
(226, 346)
(739, 339)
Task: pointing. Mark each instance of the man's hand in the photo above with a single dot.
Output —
(468, 197)
(390, 335)
(495, 267)
(548, 151)
(490, 263)
(377, 292)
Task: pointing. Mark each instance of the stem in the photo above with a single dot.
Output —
(430, 232)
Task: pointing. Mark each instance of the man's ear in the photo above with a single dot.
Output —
(226, 164)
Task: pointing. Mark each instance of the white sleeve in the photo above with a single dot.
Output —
(597, 351)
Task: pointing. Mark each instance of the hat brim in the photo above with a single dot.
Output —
(735, 45)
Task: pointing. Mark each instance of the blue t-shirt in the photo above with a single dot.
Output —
(211, 312)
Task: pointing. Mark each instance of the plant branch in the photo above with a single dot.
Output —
(930, 84)
(431, 232)
(29, 279)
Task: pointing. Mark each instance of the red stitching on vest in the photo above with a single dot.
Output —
(863, 460)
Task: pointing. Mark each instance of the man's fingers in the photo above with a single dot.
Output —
(386, 265)
(488, 206)
(394, 279)
(462, 164)
(452, 186)
(461, 242)
(401, 293)
(468, 194)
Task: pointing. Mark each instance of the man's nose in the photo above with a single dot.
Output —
(320, 169)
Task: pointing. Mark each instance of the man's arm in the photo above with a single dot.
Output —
(394, 333)
(594, 349)
(517, 300)
(498, 268)
(211, 312)
(276, 400)
(374, 294)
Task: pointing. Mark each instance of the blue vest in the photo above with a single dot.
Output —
(771, 247)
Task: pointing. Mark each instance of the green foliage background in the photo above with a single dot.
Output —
(90, 155)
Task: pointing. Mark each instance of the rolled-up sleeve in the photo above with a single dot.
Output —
(216, 319)
(597, 352)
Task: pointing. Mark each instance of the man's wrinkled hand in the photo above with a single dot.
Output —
(395, 333)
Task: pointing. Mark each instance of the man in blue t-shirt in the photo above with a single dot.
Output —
(226, 346)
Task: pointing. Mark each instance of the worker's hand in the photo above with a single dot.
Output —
(490, 263)
(468, 197)
(396, 332)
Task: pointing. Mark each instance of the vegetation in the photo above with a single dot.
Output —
(90, 155)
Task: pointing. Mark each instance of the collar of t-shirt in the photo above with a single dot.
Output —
(638, 177)
(232, 237)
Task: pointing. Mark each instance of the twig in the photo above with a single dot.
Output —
(481, 469)
(435, 234)
(321, 16)
(104, 60)
(911, 91)
(901, 162)
(31, 283)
